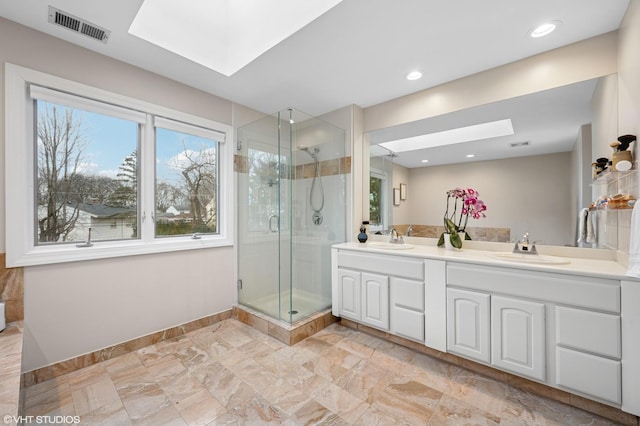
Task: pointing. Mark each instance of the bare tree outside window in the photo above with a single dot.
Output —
(186, 183)
(79, 185)
(61, 142)
(198, 169)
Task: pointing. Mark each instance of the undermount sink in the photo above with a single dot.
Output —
(538, 259)
(389, 246)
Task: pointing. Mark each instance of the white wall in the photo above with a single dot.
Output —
(75, 308)
(604, 115)
(581, 61)
(538, 201)
(402, 214)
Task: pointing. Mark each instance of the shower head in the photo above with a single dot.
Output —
(311, 151)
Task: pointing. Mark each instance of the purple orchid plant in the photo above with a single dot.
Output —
(465, 204)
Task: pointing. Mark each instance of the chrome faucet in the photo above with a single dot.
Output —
(409, 230)
(395, 237)
(524, 246)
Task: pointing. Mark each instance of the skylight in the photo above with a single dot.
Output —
(223, 35)
(476, 132)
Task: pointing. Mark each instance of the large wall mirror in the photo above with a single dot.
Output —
(535, 180)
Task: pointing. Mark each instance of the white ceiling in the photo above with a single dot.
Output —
(359, 52)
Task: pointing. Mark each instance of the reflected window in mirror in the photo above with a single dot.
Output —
(378, 189)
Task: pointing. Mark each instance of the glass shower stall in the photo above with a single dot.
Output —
(292, 181)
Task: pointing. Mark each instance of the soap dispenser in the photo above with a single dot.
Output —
(362, 236)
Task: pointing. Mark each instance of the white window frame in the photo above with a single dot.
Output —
(20, 177)
(384, 190)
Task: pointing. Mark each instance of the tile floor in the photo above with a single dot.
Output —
(230, 373)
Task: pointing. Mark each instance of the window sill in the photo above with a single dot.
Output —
(44, 255)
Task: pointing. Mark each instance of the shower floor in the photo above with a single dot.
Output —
(303, 305)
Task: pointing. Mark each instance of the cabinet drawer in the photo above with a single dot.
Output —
(595, 293)
(407, 293)
(398, 266)
(588, 331)
(407, 323)
(589, 374)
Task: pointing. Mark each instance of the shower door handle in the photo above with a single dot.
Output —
(271, 228)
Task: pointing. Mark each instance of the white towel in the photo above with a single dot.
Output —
(591, 235)
(634, 243)
(582, 225)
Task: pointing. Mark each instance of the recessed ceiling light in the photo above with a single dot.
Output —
(470, 155)
(476, 132)
(424, 161)
(544, 29)
(414, 75)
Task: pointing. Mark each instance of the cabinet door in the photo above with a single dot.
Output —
(375, 300)
(349, 294)
(468, 324)
(518, 336)
(407, 308)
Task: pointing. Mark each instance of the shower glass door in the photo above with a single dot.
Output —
(264, 228)
(292, 173)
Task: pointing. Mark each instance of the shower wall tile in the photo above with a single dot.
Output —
(240, 164)
(61, 368)
(332, 167)
(12, 291)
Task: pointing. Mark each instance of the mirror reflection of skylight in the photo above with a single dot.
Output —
(223, 35)
(476, 132)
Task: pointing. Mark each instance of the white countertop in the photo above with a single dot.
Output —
(587, 262)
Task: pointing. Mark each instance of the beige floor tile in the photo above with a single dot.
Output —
(453, 412)
(94, 396)
(285, 396)
(340, 402)
(86, 376)
(230, 374)
(122, 364)
(49, 397)
(479, 391)
(113, 414)
(314, 413)
(258, 411)
(524, 408)
(165, 416)
(200, 408)
(144, 400)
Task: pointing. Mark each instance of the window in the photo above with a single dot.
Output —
(108, 175)
(186, 179)
(85, 174)
(377, 200)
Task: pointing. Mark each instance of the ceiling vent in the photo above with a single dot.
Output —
(78, 25)
(518, 144)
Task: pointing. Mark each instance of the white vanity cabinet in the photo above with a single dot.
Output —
(588, 352)
(364, 297)
(348, 291)
(518, 336)
(560, 329)
(407, 308)
(375, 300)
(383, 291)
(468, 318)
(506, 332)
